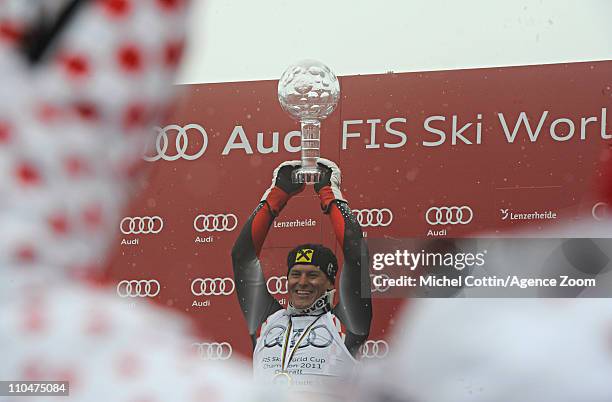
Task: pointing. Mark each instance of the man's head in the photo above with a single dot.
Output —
(311, 272)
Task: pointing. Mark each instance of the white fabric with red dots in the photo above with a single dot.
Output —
(72, 132)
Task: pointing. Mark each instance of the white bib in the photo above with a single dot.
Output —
(320, 360)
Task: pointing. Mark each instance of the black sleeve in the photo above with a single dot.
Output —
(256, 302)
(354, 309)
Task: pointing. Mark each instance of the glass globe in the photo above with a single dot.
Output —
(308, 90)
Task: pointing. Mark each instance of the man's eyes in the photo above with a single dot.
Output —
(310, 275)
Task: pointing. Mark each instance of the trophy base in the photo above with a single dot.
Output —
(306, 176)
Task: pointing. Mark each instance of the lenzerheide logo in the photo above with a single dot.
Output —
(213, 350)
(374, 349)
(138, 288)
(506, 214)
(277, 285)
(141, 225)
(449, 215)
(373, 217)
(215, 222)
(185, 134)
(212, 286)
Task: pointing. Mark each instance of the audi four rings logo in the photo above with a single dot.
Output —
(449, 215)
(318, 337)
(213, 350)
(141, 224)
(212, 286)
(375, 349)
(379, 289)
(138, 288)
(277, 285)
(162, 142)
(215, 223)
(600, 211)
(374, 217)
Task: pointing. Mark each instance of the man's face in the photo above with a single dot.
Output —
(306, 283)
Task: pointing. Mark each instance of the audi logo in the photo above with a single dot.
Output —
(215, 223)
(379, 289)
(138, 288)
(600, 215)
(277, 285)
(141, 224)
(212, 286)
(449, 215)
(374, 349)
(213, 350)
(162, 142)
(374, 217)
(318, 337)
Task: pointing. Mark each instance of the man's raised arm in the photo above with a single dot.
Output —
(256, 302)
(354, 309)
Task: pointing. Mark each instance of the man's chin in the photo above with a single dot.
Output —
(301, 305)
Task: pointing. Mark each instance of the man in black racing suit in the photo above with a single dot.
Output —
(310, 340)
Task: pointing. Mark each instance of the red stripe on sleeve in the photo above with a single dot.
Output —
(337, 221)
(260, 227)
(326, 195)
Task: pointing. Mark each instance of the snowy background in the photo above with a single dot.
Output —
(240, 40)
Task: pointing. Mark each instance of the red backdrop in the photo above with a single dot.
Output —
(402, 143)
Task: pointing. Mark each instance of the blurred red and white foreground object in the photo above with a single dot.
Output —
(497, 350)
(72, 121)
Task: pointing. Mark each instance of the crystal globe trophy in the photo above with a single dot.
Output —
(309, 91)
